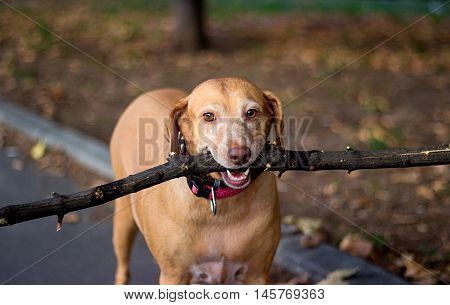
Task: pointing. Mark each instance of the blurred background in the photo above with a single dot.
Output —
(397, 95)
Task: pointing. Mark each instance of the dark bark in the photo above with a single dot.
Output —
(190, 25)
(273, 158)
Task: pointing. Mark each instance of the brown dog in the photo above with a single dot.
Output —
(231, 118)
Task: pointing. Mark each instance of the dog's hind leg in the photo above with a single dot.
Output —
(124, 233)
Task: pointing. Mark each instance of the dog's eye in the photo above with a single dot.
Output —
(251, 113)
(209, 117)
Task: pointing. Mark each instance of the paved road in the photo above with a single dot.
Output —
(34, 253)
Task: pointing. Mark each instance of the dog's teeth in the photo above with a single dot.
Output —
(237, 177)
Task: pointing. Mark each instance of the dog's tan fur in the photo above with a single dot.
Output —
(178, 227)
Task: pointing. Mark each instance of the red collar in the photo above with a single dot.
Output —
(202, 186)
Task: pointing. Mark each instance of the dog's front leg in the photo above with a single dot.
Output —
(124, 233)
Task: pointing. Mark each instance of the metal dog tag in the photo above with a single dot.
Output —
(213, 203)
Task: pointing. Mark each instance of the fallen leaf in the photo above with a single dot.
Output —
(417, 273)
(338, 277)
(439, 185)
(422, 228)
(309, 225)
(289, 219)
(17, 164)
(313, 231)
(359, 203)
(56, 90)
(425, 192)
(399, 262)
(38, 150)
(330, 189)
(356, 245)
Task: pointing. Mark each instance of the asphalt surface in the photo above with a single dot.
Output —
(34, 253)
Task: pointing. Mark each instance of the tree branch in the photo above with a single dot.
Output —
(272, 158)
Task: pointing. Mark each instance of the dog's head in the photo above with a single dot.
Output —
(231, 118)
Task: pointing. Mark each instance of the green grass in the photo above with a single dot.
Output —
(376, 144)
(225, 9)
(46, 38)
(378, 240)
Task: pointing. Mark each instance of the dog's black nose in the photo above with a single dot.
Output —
(239, 154)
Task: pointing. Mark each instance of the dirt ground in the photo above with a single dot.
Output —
(395, 96)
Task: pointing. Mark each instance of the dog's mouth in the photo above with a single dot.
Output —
(236, 179)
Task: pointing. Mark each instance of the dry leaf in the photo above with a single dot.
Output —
(313, 230)
(417, 273)
(422, 228)
(330, 189)
(17, 164)
(289, 219)
(356, 245)
(439, 185)
(359, 203)
(338, 277)
(425, 192)
(38, 150)
(56, 90)
(309, 225)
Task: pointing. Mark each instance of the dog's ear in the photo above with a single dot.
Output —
(176, 116)
(276, 110)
